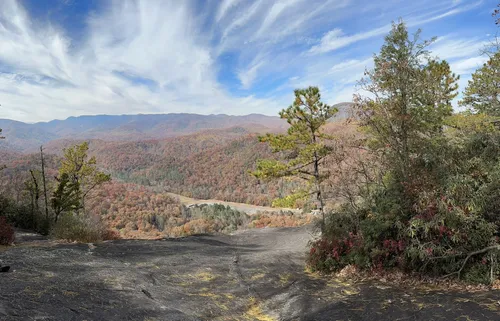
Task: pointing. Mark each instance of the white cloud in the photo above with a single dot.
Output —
(148, 40)
(276, 10)
(336, 38)
(468, 65)
(248, 76)
(143, 56)
(242, 19)
(447, 49)
(225, 7)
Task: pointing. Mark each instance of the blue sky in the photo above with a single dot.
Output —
(62, 58)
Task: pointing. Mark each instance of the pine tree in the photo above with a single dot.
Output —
(482, 94)
(44, 184)
(410, 98)
(304, 145)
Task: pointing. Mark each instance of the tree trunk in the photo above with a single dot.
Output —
(36, 190)
(319, 196)
(44, 185)
(317, 182)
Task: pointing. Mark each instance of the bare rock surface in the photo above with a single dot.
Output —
(252, 275)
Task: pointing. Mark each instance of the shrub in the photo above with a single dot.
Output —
(79, 228)
(332, 255)
(435, 238)
(261, 220)
(20, 215)
(7, 234)
(110, 235)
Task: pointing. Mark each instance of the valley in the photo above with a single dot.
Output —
(249, 160)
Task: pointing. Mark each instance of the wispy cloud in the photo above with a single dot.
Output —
(232, 56)
(225, 6)
(336, 39)
(451, 48)
(468, 65)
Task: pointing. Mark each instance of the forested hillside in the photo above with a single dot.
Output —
(211, 164)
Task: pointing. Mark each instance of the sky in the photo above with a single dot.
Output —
(61, 58)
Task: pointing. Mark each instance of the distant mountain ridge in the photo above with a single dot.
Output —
(23, 137)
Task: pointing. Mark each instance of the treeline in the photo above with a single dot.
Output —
(418, 187)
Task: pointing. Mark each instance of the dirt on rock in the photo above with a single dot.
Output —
(253, 275)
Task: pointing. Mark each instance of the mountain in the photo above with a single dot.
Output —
(23, 137)
(345, 111)
(209, 164)
(206, 157)
(26, 137)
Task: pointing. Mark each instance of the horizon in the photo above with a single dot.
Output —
(140, 114)
(152, 114)
(64, 58)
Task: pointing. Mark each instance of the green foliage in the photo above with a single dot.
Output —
(20, 215)
(410, 97)
(290, 201)
(482, 94)
(81, 169)
(67, 196)
(78, 176)
(432, 207)
(303, 147)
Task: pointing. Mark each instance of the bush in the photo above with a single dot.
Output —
(434, 238)
(81, 229)
(7, 234)
(332, 255)
(110, 235)
(21, 216)
(288, 219)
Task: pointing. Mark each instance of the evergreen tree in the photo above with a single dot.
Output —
(410, 96)
(482, 94)
(304, 145)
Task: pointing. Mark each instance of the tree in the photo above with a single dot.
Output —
(34, 189)
(1, 137)
(44, 184)
(303, 145)
(66, 197)
(81, 171)
(410, 96)
(482, 94)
